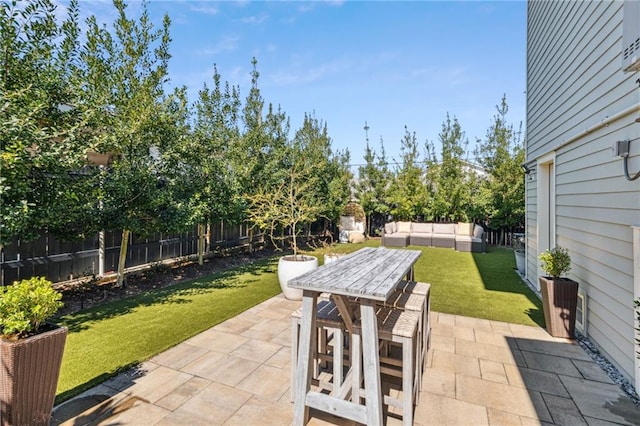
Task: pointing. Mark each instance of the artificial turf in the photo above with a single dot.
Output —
(109, 338)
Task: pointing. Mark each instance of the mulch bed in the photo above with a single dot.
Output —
(84, 294)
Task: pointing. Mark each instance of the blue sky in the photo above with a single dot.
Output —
(386, 63)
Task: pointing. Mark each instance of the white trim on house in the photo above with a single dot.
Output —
(546, 209)
(636, 296)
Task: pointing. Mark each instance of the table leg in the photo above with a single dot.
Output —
(371, 362)
(306, 348)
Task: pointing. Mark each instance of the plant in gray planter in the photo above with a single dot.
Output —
(30, 351)
(518, 244)
(559, 294)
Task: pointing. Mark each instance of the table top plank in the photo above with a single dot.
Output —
(371, 273)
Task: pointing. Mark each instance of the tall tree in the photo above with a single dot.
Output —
(407, 194)
(41, 137)
(373, 183)
(452, 196)
(214, 194)
(501, 154)
(129, 115)
(330, 170)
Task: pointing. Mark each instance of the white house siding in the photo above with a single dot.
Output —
(575, 84)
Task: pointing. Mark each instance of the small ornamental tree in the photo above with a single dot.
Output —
(25, 305)
(289, 205)
(555, 262)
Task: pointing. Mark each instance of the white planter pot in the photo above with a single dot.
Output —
(290, 267)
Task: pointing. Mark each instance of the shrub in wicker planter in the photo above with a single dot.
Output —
(559, 294)
(30, 352)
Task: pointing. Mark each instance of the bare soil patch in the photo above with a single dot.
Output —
(81, 295)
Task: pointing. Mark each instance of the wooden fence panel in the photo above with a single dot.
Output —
(60, 260)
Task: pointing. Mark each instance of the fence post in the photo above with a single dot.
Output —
(101, 254)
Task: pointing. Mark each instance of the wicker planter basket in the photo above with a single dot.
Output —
(29, 370)
(559, 301)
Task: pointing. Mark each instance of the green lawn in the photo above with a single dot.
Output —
(105, 340)
(480, 285)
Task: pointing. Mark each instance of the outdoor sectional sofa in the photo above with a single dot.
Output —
(460, 236)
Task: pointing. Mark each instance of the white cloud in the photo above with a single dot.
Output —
(255, 19)
(225, 44)
(311, 74)
(200, 8)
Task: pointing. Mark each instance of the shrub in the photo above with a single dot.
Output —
(555, 262)
(25, 305)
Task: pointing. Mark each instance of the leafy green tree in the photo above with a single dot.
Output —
(330, 170)
(452, 196)
(42, 134)
(501, 155)
(373, 182)
(214, 188)
(407, 195)
(130, 117)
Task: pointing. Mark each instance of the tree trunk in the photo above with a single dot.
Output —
(123, 256)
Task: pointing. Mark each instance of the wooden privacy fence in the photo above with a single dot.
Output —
(508, 234)
(61, 261)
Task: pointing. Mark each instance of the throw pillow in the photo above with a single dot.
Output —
(478, 231)
(464, 228)
(389, 228)
(404, 227)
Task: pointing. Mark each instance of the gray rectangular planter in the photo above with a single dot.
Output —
(559, 301)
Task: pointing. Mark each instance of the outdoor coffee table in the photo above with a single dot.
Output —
(371, 275)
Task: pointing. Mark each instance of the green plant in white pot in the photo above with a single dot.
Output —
(559, 293)
(30, 351)
(283, 208)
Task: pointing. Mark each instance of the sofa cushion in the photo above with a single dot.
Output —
(422, 228)
(478, 231)
(389, 228)
(443, 228)
(464, 228)
(404, 227)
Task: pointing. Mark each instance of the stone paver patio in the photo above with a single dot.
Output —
(480, 372)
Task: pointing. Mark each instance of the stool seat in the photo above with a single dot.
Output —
(327, 313)
(414, 287)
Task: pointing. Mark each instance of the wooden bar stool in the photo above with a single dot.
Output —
(424, 289)
(330, 327)
(417, 303)
(401, 327)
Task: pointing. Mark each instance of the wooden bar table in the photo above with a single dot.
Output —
(371, 275)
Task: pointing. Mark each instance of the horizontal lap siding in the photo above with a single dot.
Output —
(575, 81)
